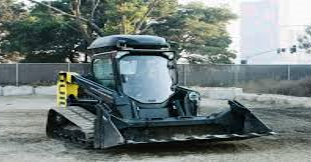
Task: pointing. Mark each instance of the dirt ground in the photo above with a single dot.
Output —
(22, 138)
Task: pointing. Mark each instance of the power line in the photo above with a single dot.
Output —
(261, 53)
(292, 50)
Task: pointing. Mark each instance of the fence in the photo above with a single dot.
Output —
(189, 75)
(36, 74)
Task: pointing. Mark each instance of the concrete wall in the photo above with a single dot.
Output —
(27, 90)
(206, 92)
(217, 93)
(279, 100)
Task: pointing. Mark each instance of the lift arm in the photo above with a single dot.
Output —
(68, 86)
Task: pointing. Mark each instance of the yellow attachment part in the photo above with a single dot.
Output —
(65, 88)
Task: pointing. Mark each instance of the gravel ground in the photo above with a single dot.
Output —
(22, 138)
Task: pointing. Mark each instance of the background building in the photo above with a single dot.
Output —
(259, 31)
(267, 25)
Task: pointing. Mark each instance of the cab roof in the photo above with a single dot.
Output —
(131, 41)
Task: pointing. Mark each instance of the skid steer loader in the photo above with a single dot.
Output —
(131, 96)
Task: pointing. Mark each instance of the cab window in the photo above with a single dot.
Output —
(103, 72)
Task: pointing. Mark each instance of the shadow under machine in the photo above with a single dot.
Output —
(132, 96)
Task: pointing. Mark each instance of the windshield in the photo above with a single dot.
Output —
(146, 79)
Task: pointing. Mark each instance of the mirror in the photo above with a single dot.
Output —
(171, 65)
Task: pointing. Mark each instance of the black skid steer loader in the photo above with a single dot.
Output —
(131, 96)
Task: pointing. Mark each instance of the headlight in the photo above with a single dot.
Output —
(194, 96)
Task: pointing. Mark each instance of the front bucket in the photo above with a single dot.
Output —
(235, 124)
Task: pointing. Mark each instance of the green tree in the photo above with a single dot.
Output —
(304, 41)
(57, 31)
(63, 28)
(9, 11)
(135, 16)
(45, 39)
(197, 29)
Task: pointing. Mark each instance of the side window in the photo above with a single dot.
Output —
(103, 72)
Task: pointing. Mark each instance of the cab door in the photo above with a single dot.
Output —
(103, 71)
